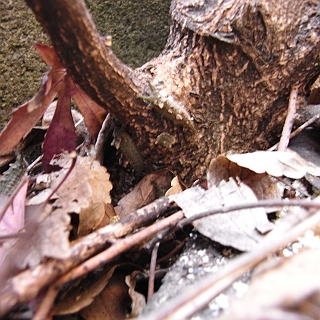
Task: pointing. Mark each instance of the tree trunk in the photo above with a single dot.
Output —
(221, 84)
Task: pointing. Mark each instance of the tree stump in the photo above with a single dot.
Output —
(221, 84)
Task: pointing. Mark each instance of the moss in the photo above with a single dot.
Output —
(21, 67)
(139, 30)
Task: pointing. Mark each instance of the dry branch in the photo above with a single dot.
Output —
(27, 285)
(196, 297)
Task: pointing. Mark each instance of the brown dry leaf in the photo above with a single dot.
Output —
(290, 291)
(238, 229)
(138, 299)
(221, 168)
(276, 163)
(91, 216)
(86, 191)
(50, 238)
(175, 187)
(46, 234)
(112, 303)
(83, 293)
(151, 187)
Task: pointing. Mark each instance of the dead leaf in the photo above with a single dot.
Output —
(11, 223)
(61, 136)
(306, 145)
(13, 219)
(82, 293)
(112, 303)
(276, 163)
(21, 123)
(46, 235)
(284, 292)
(49, 55)
(26, 115)
(49, 235)
(147, 190)
(138, 299)
(175, 188)
(238, 229)
(86, 191)
(80, 128)
(54, 82)
(93, 113)
(221, 168)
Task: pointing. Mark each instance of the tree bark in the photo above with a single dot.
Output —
(223, 79)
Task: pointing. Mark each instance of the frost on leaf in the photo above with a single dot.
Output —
(238, 229)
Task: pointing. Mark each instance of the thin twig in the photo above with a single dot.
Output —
(47, 302)
(171, 253)
(73, 157)
(27, 284)
(34, 163)
(199, 295)
(117, 248)
(285, 136)
(252, 205)
(120, 246)
(152, 270)
(298, 130)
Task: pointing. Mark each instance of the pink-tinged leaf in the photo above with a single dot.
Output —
(22, 120)
(49, 55)
(61, 134)
(93, 113)
(13, 219)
